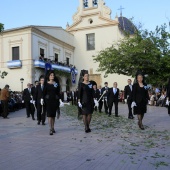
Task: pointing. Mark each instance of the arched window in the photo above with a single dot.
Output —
(85, 3)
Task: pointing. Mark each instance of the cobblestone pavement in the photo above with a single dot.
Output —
(113, 144)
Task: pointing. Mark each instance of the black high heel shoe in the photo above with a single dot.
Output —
(89, 130)
(51, 132)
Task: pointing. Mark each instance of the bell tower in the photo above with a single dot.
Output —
(87, 7)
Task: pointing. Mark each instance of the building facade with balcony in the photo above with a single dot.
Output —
(25, 51)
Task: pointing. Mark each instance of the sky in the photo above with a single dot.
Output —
(18, 13)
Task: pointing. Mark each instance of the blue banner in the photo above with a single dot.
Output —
(73, 76)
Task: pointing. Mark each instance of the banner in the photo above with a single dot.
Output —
(73, 76)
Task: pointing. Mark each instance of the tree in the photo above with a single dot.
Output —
(145, 51)
(1, 27)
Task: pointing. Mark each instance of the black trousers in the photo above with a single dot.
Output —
(100, 105)
(169, 109)
(116, 107)
(129, 102)
(105, 106)
(4, 108)
(41, 113)
(30, 110)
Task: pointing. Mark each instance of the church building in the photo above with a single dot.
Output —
(25, 51)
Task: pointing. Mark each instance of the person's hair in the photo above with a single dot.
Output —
(41, 77)
(36, 81)
(6, 86)
(106, 83)
(130, 79)
(48, 75)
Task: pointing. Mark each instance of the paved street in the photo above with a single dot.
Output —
(24, 145)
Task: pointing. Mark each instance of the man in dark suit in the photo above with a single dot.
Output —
(33, 88)
(100, 102)
(113, 97)
(128, 97)
(95, 94)
(27, 98)
(105, 96)
(39, 99)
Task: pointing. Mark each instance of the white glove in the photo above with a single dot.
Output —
(61, 103)
(125, 100)
(42, 101)
(133, 104)
(22, 101)
(31, 101)
(96, 103)
(79, 104)
(167, 102)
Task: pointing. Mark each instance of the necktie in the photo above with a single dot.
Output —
(130, 87)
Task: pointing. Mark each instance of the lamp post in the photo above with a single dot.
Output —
(22, 80)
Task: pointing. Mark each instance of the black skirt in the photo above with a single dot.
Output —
(141, 108)
(51, 107)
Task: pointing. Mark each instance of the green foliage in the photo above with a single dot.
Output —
(1, 27)
(145, 51)
(62, 73)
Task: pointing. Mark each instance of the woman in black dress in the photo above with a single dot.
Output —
(140, 98)
(52, 99)
(86, 101)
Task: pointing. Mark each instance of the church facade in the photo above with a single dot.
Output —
(24, 51)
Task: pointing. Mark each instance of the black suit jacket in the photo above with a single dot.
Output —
(38, 94)
(27, 95)
(103, 89)
(96, 94)
(128, 92)
(111, 97)
(138, 95)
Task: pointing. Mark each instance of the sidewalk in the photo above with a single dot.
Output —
(24, 145)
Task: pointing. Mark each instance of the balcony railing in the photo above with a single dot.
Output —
(41, 64)
(14, 64)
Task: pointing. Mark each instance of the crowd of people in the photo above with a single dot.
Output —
(45, 99)
(46, 60)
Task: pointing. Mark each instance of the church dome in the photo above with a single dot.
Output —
(126, 25)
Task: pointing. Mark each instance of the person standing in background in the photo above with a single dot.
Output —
(113, 97)
(101, 100)
(105, 96)
(128, 97)
(27, 98)
(39, 99)
(95, 95)
(4, 100)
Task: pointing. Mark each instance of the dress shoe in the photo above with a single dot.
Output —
(89, 130)
(43, 123)
(51, 132)
(38, 123)
(130, 117)
(28, 116)
(116, 116)
(6, 117)
(33, 118)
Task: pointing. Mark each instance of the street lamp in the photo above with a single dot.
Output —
(21, 80)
